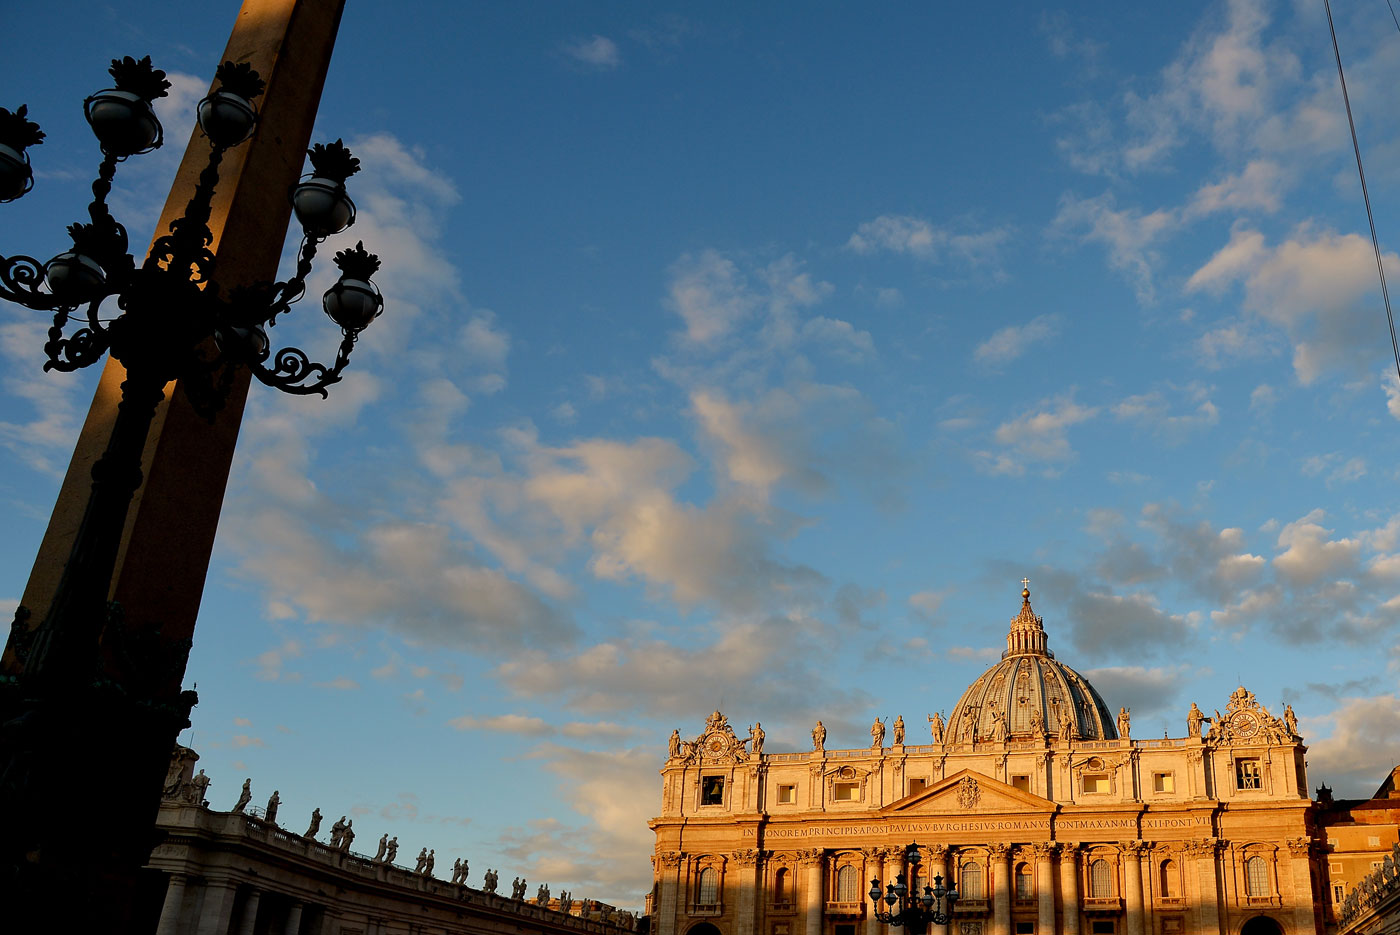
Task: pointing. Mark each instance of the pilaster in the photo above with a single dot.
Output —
(1001, 889)
(1132, 886)
(1069, 889)
(812, 904)
(746, 869)
(1045, 888)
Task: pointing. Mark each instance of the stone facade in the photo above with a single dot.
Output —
(1044, 832)
(1362, 858)
(238, 873)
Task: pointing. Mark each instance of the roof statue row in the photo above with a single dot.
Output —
(1027, 696)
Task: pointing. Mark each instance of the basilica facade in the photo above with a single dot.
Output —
(1032, 798)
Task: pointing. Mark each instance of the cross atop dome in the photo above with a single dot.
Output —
(1027, 636)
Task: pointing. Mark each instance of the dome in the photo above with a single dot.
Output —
(1031, 691)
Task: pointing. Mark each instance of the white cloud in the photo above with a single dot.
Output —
(1258, 187)
(598, 52)
(525, 725)
(1007, 344)
(1361, 747)
(1038, 435)
(1318, 287)
(710, 295)
(927, 602)
(920, 238)
(1129, 235)
(1309, 555)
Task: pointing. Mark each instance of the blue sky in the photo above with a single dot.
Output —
(748, 358)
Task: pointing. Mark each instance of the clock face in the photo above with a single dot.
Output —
(1244, 724)
(715, 746)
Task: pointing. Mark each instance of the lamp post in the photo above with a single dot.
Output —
(82, 676)
(907, 908)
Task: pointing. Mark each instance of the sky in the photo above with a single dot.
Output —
(747, 357)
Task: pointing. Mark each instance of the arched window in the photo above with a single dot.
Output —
(1100, 879)
(780, 886)
(1167, 880)
(1023, 882)
(708, 889)
(847, 885)
(1256, 877)
(971, 883)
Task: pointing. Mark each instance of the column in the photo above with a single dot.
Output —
(1302, 897)
(1044, 888)
(174, 902)
(1001, 889)
(875, 870)
(1069, 889)
(747, 866)
(812, 906)
(1208, 899)
(250, 912)
(217, 911)
(293, 924)
(1132, 886)
(668, 866)
(938, 867)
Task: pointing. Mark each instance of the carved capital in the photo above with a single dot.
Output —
(937, 851)
(1069, 852)
(1299, 847)
(1044, 850)
(811, 857)
(669, 860)
(999, 851)
(873, 854)
(1136, 848)
(893, 853)
(1203, 847)
(745, 858)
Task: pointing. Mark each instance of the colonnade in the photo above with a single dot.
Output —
(216, 912)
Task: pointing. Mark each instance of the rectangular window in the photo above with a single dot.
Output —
(845, 791)
(1102, 927)
(1163, 782)
(917, 785)
(1339, 893)
(712, 790)
(1095, 782)
(1247, 775)
(787, 795)
(1021, 782)
(845, 928)
(1025, 928)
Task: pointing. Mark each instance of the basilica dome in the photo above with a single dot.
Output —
(1028, 694)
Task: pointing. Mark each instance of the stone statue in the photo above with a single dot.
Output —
(877, 734)
(999, 727)
(422, 861)
(935, 726)
(819, 738)
(337, 832)
(392, 851)
(245, 796)
(1194, 718)
(542, 895)
(756, 736)
(1291, 720)
(315, 825)
(459, 872)
(428, 867)
(199, 785)
(517, 889)
(347, 835)
(1037, 723)
(1124, 724)
(899, 730)
(1067, 727)
(491, 881)
(675, 748)
(272, 806)
(382, 849)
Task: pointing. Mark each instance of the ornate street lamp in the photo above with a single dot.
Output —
(165, 319)
(175, 322)
(907, 908)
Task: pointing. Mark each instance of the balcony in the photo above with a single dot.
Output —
(1170, 902)
(845, 910)
(1103, 904)
(783, 906)
(972, 907)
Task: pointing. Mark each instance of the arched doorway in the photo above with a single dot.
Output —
(1261, 925)
(703, 928)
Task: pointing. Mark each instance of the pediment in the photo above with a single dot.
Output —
(970, 792)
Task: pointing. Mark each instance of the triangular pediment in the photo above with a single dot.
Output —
(972, 792)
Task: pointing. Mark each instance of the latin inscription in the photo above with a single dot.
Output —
(952, 827)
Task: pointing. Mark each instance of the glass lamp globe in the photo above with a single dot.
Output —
(322, 206)
(227, 118)
(16, 177)
(74, 277)
(353, 303)
(123, 123)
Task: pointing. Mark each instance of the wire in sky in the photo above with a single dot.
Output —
(1365, 195)
(1392, 14)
